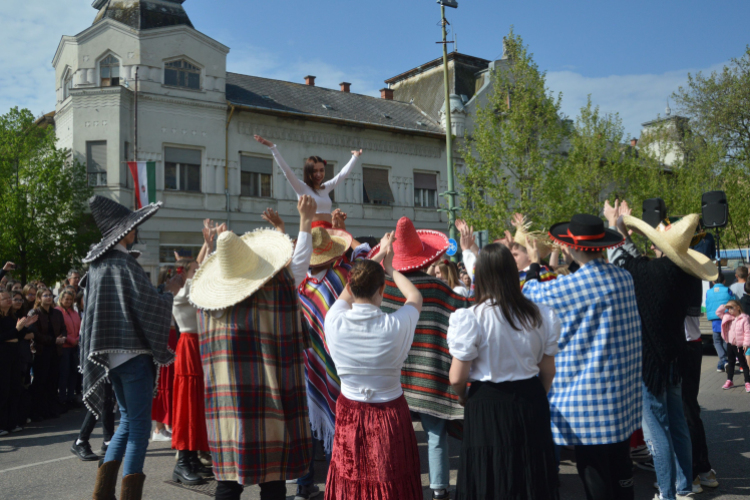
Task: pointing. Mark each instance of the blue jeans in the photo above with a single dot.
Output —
(133, 383)
(437, 450)
(668, 438)
(66, 386)
(721, 349)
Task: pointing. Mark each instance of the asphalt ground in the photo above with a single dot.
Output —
(37, 463)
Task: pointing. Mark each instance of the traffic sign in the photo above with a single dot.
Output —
(452, 247)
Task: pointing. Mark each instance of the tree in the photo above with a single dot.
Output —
(43, 198)
(515, 144)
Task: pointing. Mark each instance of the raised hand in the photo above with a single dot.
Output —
(175, 283)
(566, 254)
(272, 217)
(532, 250)
(357, 153)
(518, 220)
(386, 242)
(263, 141)
(625, 208)
(467, 235)
(386, 245)
(9, 266)
(507, 240)
(611, 213)
(338, 219)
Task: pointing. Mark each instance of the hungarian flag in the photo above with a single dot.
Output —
(144, 179)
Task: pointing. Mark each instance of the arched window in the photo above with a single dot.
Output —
(67, 83)
(109, 71)
(182, 74)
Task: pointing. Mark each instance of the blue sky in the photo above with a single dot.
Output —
(629, 56)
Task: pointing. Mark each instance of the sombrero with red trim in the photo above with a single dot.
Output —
(585, 232)
(415, 248)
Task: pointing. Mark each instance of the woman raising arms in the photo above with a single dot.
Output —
(313, 185)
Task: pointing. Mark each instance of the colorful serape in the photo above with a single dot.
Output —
(424, 376)
(256, 402)
(323, 384)
(545, 274)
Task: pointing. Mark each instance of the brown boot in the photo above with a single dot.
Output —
(132, 487)
(106, 480)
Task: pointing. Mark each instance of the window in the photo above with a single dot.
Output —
(96, 162)
(255, 176)
(182, 74)
(67, 84)
(375, 186)
(330, 175)
(182, 169)
(425, 190)
(109, 71)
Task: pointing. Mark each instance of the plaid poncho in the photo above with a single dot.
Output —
(424, 376)
(123, 313)
(323, 384)
(256, 403)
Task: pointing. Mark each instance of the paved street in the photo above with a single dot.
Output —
(37, 464)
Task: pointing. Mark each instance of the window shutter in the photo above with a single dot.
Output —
(425, 181)
(96, 157)
(256, 165)
(183, 156)
(376, 185)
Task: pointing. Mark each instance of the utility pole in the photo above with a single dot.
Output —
(135, 131)
(451, 193)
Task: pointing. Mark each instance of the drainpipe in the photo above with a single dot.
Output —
(226, 159)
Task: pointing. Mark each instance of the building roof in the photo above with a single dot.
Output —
(464, 59)
(143, 14)
(279, 97)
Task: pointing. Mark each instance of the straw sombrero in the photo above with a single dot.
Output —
(523, 234)
(328, 245)
(413, 248)
(239, 267)
(674, 240)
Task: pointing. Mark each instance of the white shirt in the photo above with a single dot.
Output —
(499, 353)
(462, 291)
(470, 260)
(183, 311)
(738, 289)
(692, 328)
(368, 348)
(321, 196)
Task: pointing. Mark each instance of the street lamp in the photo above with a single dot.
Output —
(448, 3)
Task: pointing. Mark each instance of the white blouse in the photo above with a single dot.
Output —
(183, 311)
(321, 196)
(499, 353)
(368, 348)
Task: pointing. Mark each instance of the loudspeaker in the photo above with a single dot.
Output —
(654, 211)
(714, 209)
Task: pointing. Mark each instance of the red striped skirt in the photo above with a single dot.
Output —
(189, 422)
(375, 454)
(161, 407)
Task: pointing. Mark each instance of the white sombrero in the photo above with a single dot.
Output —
(674, 240)
(239, 267)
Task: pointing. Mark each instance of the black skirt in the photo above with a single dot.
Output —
(507, 451)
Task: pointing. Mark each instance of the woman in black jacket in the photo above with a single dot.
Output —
(49, 336)
(12, 330)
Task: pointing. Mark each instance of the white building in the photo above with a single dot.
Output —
(196, 121)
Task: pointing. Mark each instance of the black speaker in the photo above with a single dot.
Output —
(654, 211)
(714, 209)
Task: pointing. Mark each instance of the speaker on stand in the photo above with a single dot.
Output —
(715, 212)
(654, 211)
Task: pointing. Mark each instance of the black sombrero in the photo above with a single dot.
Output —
(115, 221)
(585, 232)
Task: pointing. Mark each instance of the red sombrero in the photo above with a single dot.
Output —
(415, 249)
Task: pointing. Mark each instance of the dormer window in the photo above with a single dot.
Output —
(109, 71)
(67, 84)
(182, 74)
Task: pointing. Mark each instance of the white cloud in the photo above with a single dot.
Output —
(637, 98)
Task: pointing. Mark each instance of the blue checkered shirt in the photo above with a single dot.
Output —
(596, 393)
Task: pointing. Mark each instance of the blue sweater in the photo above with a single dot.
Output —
(715, 297)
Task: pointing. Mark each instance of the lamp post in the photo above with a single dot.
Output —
(451, 193)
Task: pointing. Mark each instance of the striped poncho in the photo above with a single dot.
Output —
(323, 384)
(424, 376)
(545, 274)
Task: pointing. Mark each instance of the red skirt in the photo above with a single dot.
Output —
(189, 422)
(161, 407)
(375, 454)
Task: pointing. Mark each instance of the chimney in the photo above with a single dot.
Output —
(310, 80)
(633, 142)
(386, 94)
(345, 86)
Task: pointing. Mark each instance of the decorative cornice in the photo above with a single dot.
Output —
(182, 101)
(337, 140)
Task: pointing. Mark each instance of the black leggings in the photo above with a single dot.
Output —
(737, 352)
(232, 490)
(606, 471)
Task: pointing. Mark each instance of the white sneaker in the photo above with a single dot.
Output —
(686, 495)
(3, 432)
(18, 428)
(708, 479)
(161, 436)
(697, 486)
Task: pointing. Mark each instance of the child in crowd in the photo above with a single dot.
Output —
(735, 330)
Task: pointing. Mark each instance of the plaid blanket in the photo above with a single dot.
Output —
(323, 384)
(424, 376)
(256, 404)
(123, 313)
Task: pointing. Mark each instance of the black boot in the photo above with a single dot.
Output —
(198, 467)
(83, 451)
(183, 470)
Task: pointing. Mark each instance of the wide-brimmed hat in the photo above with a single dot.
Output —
(115, 221)
(674, 240)
(523, 234)
(239, 267)
(585, 232)
(328, 245)
(413, 248)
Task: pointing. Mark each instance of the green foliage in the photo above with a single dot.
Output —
(43, 199)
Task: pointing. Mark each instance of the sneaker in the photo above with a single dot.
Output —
(708, 479)
(747, 386)
(162, 435)
(83, 451)
(440, 495)
(719, 368)
(647, 465)
(697, 485)
(307, 492)
(728, 385)
(103, 449)
(4, 433)
(18, 428)
(685, 495)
